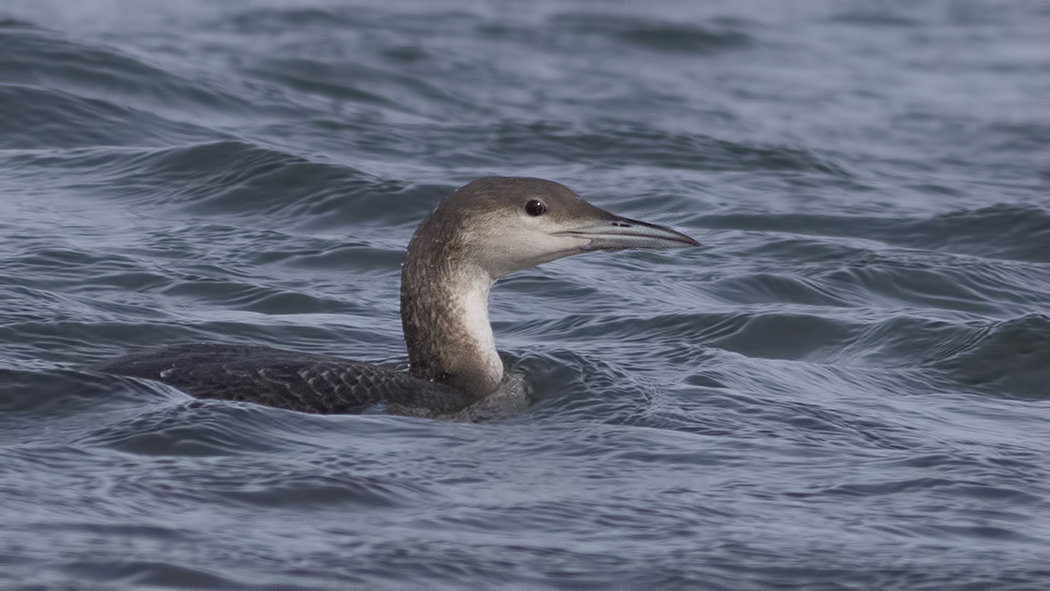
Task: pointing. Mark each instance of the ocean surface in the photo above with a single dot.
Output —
(847, 386)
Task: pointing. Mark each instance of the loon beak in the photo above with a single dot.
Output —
(617, 233)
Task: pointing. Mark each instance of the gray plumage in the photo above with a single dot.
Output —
(287, 379)
(486, 229)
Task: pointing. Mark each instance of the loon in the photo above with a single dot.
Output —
(483, 231)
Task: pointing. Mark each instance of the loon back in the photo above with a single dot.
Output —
(486, 229)
(286, 379)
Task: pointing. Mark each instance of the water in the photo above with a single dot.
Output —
(847, 386)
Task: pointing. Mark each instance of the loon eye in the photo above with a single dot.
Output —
(535, 208)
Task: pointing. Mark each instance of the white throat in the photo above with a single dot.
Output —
(472, 304)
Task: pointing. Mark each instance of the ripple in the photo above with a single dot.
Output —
(136, 573)
(26, 396)
(198, 428)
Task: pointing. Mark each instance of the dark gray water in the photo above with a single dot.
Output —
(849, 385)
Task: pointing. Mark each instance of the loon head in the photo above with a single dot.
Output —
(505, 224)
(485, 230)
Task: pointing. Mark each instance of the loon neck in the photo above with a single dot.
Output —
(444, 314)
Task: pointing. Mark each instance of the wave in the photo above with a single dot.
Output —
(611, 144)
(229, 178)
(655, 34)
(96, 80)
(1010, 358)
